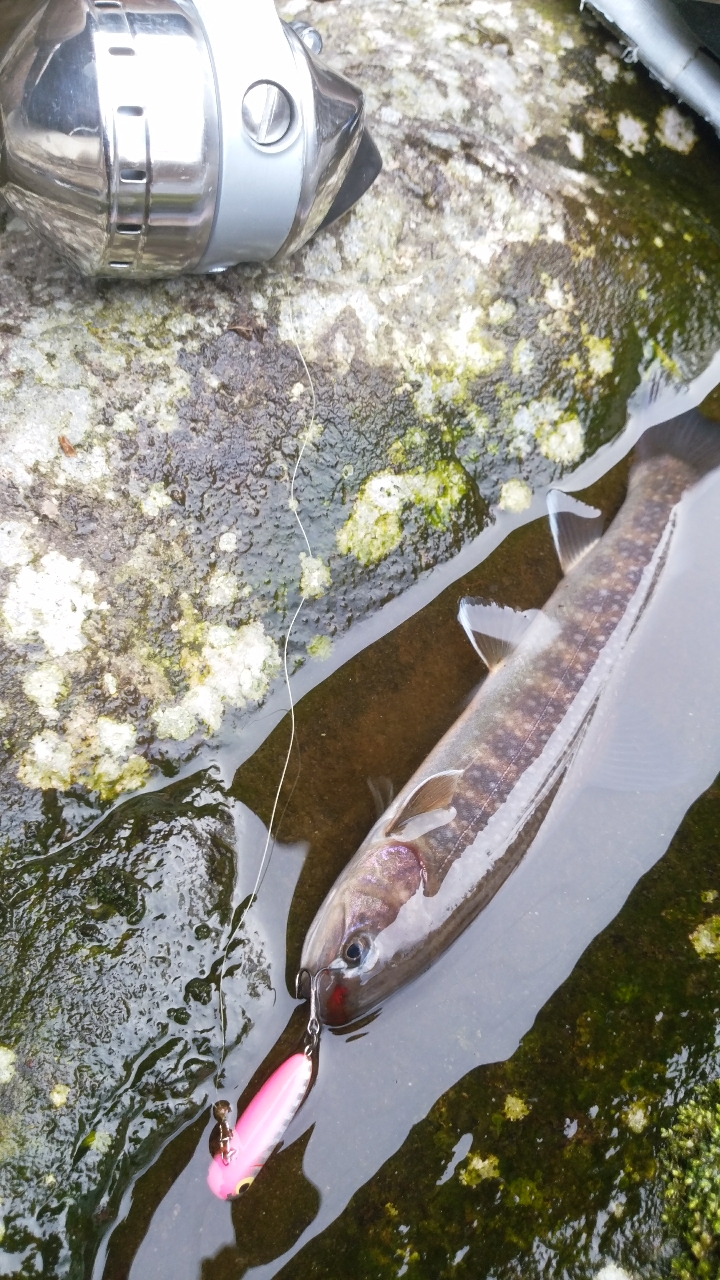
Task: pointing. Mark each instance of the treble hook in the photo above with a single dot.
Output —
(312, 1031)
(222, 1135)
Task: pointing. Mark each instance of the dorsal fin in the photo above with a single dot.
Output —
(690, 437)
(494, 630)
(434, 793)
(575, 527)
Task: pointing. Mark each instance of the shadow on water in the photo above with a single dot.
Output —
(500, 1116)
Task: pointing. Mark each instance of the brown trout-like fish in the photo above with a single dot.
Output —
(462, 823)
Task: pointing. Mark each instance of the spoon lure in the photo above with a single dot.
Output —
(240, 1153)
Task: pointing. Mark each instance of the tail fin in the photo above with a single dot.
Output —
(690, 437)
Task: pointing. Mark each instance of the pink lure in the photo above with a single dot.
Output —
(260, 1127)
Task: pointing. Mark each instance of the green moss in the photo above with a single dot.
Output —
(320, 648)
(706, 938)
(690, 1170)
(478, 1169)
(375, 527)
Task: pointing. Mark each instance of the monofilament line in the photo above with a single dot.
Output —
(270, 839)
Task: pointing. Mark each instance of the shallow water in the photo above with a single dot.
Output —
(377, 1173)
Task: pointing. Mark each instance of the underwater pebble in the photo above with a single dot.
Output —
(706, 938)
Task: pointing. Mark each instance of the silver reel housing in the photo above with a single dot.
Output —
(146, 138)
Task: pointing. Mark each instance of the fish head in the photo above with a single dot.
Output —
(341, 955)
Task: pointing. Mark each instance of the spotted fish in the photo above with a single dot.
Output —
(444, 847)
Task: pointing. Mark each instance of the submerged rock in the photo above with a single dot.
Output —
(543, 233)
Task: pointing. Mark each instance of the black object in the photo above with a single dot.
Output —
(362, 173)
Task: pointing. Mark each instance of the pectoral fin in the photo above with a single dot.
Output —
(493, 630)
(638, 754)
(575, 527)
(432, 794)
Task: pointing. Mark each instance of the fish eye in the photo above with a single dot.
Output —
(355, 951)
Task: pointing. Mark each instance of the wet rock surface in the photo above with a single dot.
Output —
(111, 954)
(544, 229)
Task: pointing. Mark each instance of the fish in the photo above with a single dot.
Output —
(461, 825)
(240, 1156)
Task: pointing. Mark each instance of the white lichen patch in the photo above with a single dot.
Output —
(98, 754)
(223, 589)
(564, 443)
(44, 686)
(632, 133)
(14, 550)
(227, 541)
(8, 1058)
(99, 1141)
(57, 367)
(374, 527)
(608, 67)
(51, 603)
(59, 1095)
(320, 648)
(559, 435)
(154, 500)
(234, 669)
(523, 357)
(515, 496)
(314, 576)
(48, 762)
(576, 144)
(500, 311)
(600, 356)
(675, 131)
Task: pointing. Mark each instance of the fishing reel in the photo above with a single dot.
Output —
(677, 40)
(151, 137)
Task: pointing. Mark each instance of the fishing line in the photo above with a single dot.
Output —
(270, 839)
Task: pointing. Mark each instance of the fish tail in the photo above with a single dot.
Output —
(691, 437)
